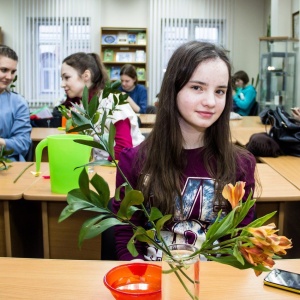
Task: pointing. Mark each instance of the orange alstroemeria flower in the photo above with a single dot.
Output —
(265, 238)
(256, 256)
(234, 193)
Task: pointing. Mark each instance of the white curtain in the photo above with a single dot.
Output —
(44, 33)
(173, 22)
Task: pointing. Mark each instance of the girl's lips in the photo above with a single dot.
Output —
(205, 114)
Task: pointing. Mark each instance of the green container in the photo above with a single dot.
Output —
(64, 156)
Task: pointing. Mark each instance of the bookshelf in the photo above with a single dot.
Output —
(120, 46)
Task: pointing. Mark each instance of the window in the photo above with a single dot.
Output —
(178, 31)
(56, 38)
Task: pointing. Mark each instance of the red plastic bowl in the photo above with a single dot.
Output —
(134, 281)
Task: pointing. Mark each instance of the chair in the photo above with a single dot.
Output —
(254, 109)
(30, 154)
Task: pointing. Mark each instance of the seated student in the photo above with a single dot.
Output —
(188, 157)
(86, 69)
(244, 96)
(15, 128)
(129, 85)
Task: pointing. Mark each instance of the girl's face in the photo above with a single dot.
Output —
(128, 84)
(71, 82)
(8, 68)
(202, 100)
(239, 83)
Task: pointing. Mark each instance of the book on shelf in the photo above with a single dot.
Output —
(115, 73)
(108, 71)
(122, 37)
(141, 74)
(109, 39)
(140, 56)
(125, 57)
(131, 38)
(141, 38)
(108, 55)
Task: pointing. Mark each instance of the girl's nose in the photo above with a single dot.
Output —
(209, 99)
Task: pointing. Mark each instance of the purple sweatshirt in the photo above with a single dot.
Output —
(197, 194)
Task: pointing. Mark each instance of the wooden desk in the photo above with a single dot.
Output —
(60, 240)
(39, 133)
(22, 278)
(246, 122)
(147, 120)
(277, 194)
(11, 191)
(287, 166)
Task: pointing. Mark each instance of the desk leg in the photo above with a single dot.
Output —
(281, 218)
(45, 230)
(7, 229)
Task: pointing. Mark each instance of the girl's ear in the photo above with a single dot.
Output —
(87, 76)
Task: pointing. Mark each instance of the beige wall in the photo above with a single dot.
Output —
(250, 23)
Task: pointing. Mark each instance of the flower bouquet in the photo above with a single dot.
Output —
(253, 246)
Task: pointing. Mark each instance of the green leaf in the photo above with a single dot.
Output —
(232, 261)
(79, 119)
(259, 222)
(85, 98)
(160, 224)
(131, 244)
(115, 85)
(91, 228)
(102, 189)
(147, 237)
(127, 208)
(79, 128)
(84, 183)
(93, 106)
(155, 214)
(72, 208)
(111, 140)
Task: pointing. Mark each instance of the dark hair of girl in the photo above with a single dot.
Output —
(8, 52)
(81, 62)
(162, 153)
(130, 71)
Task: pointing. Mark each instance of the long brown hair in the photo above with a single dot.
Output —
(161, 155)
(82, 61)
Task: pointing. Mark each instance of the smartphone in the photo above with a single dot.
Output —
(283, 280)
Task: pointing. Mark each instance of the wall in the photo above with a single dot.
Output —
(250, 23)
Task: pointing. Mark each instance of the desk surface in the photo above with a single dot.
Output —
(39, 133)
(274, 186)
(247, 121)
(14, 191)
(147, 119)
(23, 278)
(287, 166)
(41, 189)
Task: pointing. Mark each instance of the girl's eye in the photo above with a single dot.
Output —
(221, 92)
(196, 88)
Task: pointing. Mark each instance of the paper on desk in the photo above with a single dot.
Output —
(235, 116)
(41, 113)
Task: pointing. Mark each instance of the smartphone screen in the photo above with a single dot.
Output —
(284, 280)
